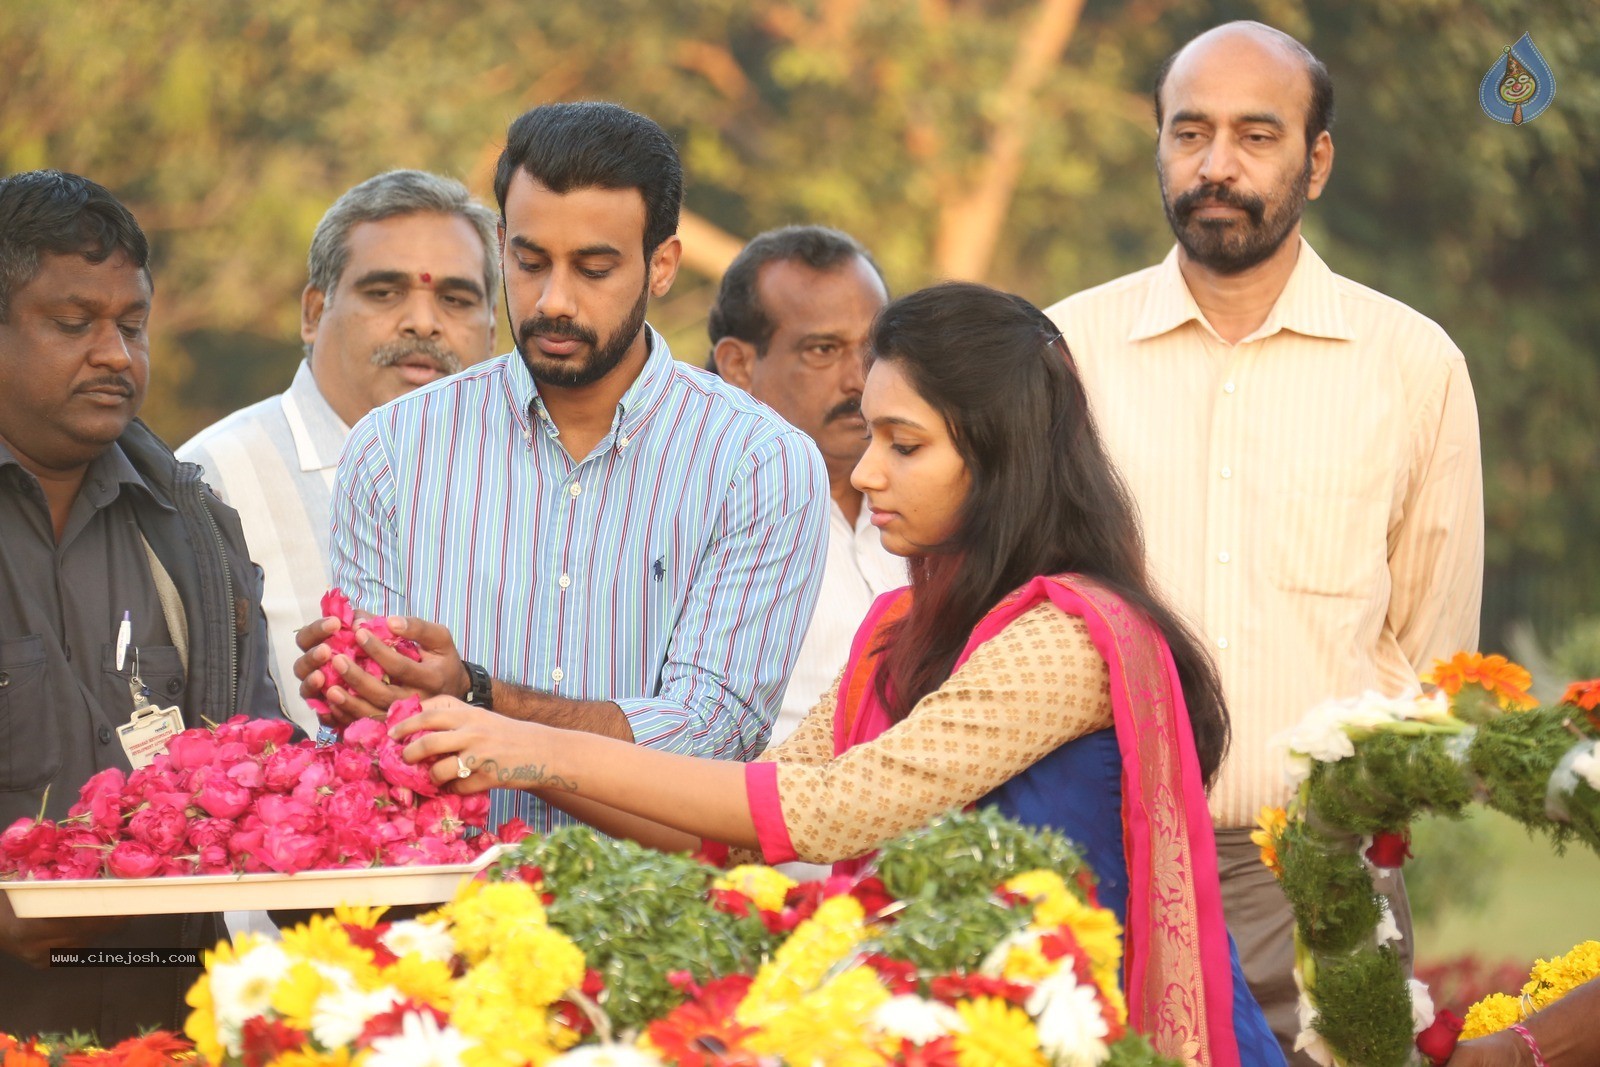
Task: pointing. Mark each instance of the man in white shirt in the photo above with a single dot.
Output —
(790, 326)
(402, 270)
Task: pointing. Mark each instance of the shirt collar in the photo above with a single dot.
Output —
(642, 397)
(318, 431)
(1309, 303)
(103, 479)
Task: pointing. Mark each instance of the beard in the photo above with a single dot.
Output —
(445, 359)
(1230, 246)
(575, 372)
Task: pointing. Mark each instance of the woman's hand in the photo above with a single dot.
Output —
(479, 750)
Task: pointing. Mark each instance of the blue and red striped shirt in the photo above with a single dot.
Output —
(672, 571)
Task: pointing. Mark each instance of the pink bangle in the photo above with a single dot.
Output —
(1532, 1043)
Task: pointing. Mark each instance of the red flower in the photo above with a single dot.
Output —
(950, 988)
(1438, 1042)
(390, 1023)
(732, 902)
(513, 831)
(371, 939)
(940, 1052)
(1390, 849)
(161, 828)
(703, 1032)
(898, 976)
(262, 1040)
(130, 859)
(873, 896)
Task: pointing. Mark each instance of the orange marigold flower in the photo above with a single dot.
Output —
(1507, 682)
(1271, 823)
(1585, 695)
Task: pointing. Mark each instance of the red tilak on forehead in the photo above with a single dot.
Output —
(426, 277)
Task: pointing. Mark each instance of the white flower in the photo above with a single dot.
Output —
(242, 989)
(338, 1018)
(1434, 708)
(1421, 1006)
(420, 1043)
(1309, 1040)
(1072, 1028)
(1587, 767)
(1319, 736)
(430, 941)
(916, 1020)
(1388, 929)
(607, 1056)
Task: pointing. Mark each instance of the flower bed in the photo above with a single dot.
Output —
(974, 942)
(1364, 769)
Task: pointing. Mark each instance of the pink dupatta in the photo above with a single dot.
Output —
(1177, 973)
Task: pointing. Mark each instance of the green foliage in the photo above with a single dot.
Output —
(1363, 1008)
(1514, 755)
(1330, 889)
(638, 915)
(1392, 777)
(970, 853)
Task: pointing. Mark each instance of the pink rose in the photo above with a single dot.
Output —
(263, 734)
(276, 810)
(403, 709)
(396, 828)
(397, 772)
(336, 604)
(231, 751)
(475, 810)
(244, 847)
(130, 859)
(163, 829)
(353, 764)
(355, 845)
(207, 832)
(26, 842)
(101, 800)
(319, 706)
(191, 749)
(440, 815)
(352, 803)
(287, 850)
(213, 859)
(285, 766)
(223, 797)
(510, 832)
(232, 730)
(248, 774)
(367, 735)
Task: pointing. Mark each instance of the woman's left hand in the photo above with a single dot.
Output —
(474, 749)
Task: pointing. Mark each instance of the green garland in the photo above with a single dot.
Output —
(1402, 759)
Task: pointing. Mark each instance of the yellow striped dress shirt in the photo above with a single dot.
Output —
(1311, 497)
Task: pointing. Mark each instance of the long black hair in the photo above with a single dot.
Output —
(1043, 498)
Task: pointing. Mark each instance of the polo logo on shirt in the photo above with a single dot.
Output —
(658, 569)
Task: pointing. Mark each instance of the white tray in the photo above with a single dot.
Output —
(241, 892)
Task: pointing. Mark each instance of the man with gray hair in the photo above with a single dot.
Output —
(402, 271)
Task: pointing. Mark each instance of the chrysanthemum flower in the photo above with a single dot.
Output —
(1507, 682)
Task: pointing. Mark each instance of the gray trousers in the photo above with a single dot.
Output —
(1263, 927)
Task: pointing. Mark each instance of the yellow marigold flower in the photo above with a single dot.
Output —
(306, 1056)
(763, 885)
(1270, 824)
(998, 1034)
(1550, 980)
(488, 915)
(829, 1025)
(1025, 963)
(1490, 1015)
(542, 965)
(489, 1009)
(1507, 682)
(1048, 890)
(1054, 904)
(802, 961)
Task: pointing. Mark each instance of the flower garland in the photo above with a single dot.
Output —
(1548, 982)
(976, 943)
(1363, 769)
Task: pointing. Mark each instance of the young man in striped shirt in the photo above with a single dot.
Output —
(1303, 450)
(619, 543)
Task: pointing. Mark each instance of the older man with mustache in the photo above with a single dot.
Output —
(402, 276)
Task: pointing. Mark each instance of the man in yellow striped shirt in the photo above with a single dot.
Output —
(1303, 450)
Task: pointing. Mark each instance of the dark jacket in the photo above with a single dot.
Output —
(201, 544)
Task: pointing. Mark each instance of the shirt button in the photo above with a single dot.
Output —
(174, 687)
(1223, 557)
(105, 735)
(1222, 642)
(574, 488)
(1226, 472)
(622, 442)
(564, 581)
(1227, 387)
(556, 675)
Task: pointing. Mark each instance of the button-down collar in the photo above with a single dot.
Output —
(642, 397)
(1309, 303)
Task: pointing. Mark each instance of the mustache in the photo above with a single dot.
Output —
(445, 359)
(1187, 203)
(564, 329)
(844, 409)
(113, 383)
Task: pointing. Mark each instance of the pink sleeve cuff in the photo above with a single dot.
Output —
(772, 833)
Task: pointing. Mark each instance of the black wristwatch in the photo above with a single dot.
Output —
(480, 687)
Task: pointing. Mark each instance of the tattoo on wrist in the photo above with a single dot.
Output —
(531, 776)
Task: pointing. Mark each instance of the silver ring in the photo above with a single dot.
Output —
(462, 770)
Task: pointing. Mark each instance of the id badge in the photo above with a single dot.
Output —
(145, 735)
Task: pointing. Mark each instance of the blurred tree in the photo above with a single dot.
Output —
(1005, 140)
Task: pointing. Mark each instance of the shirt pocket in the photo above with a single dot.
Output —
(160, 668)
(30, 742)
(1327, 532)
